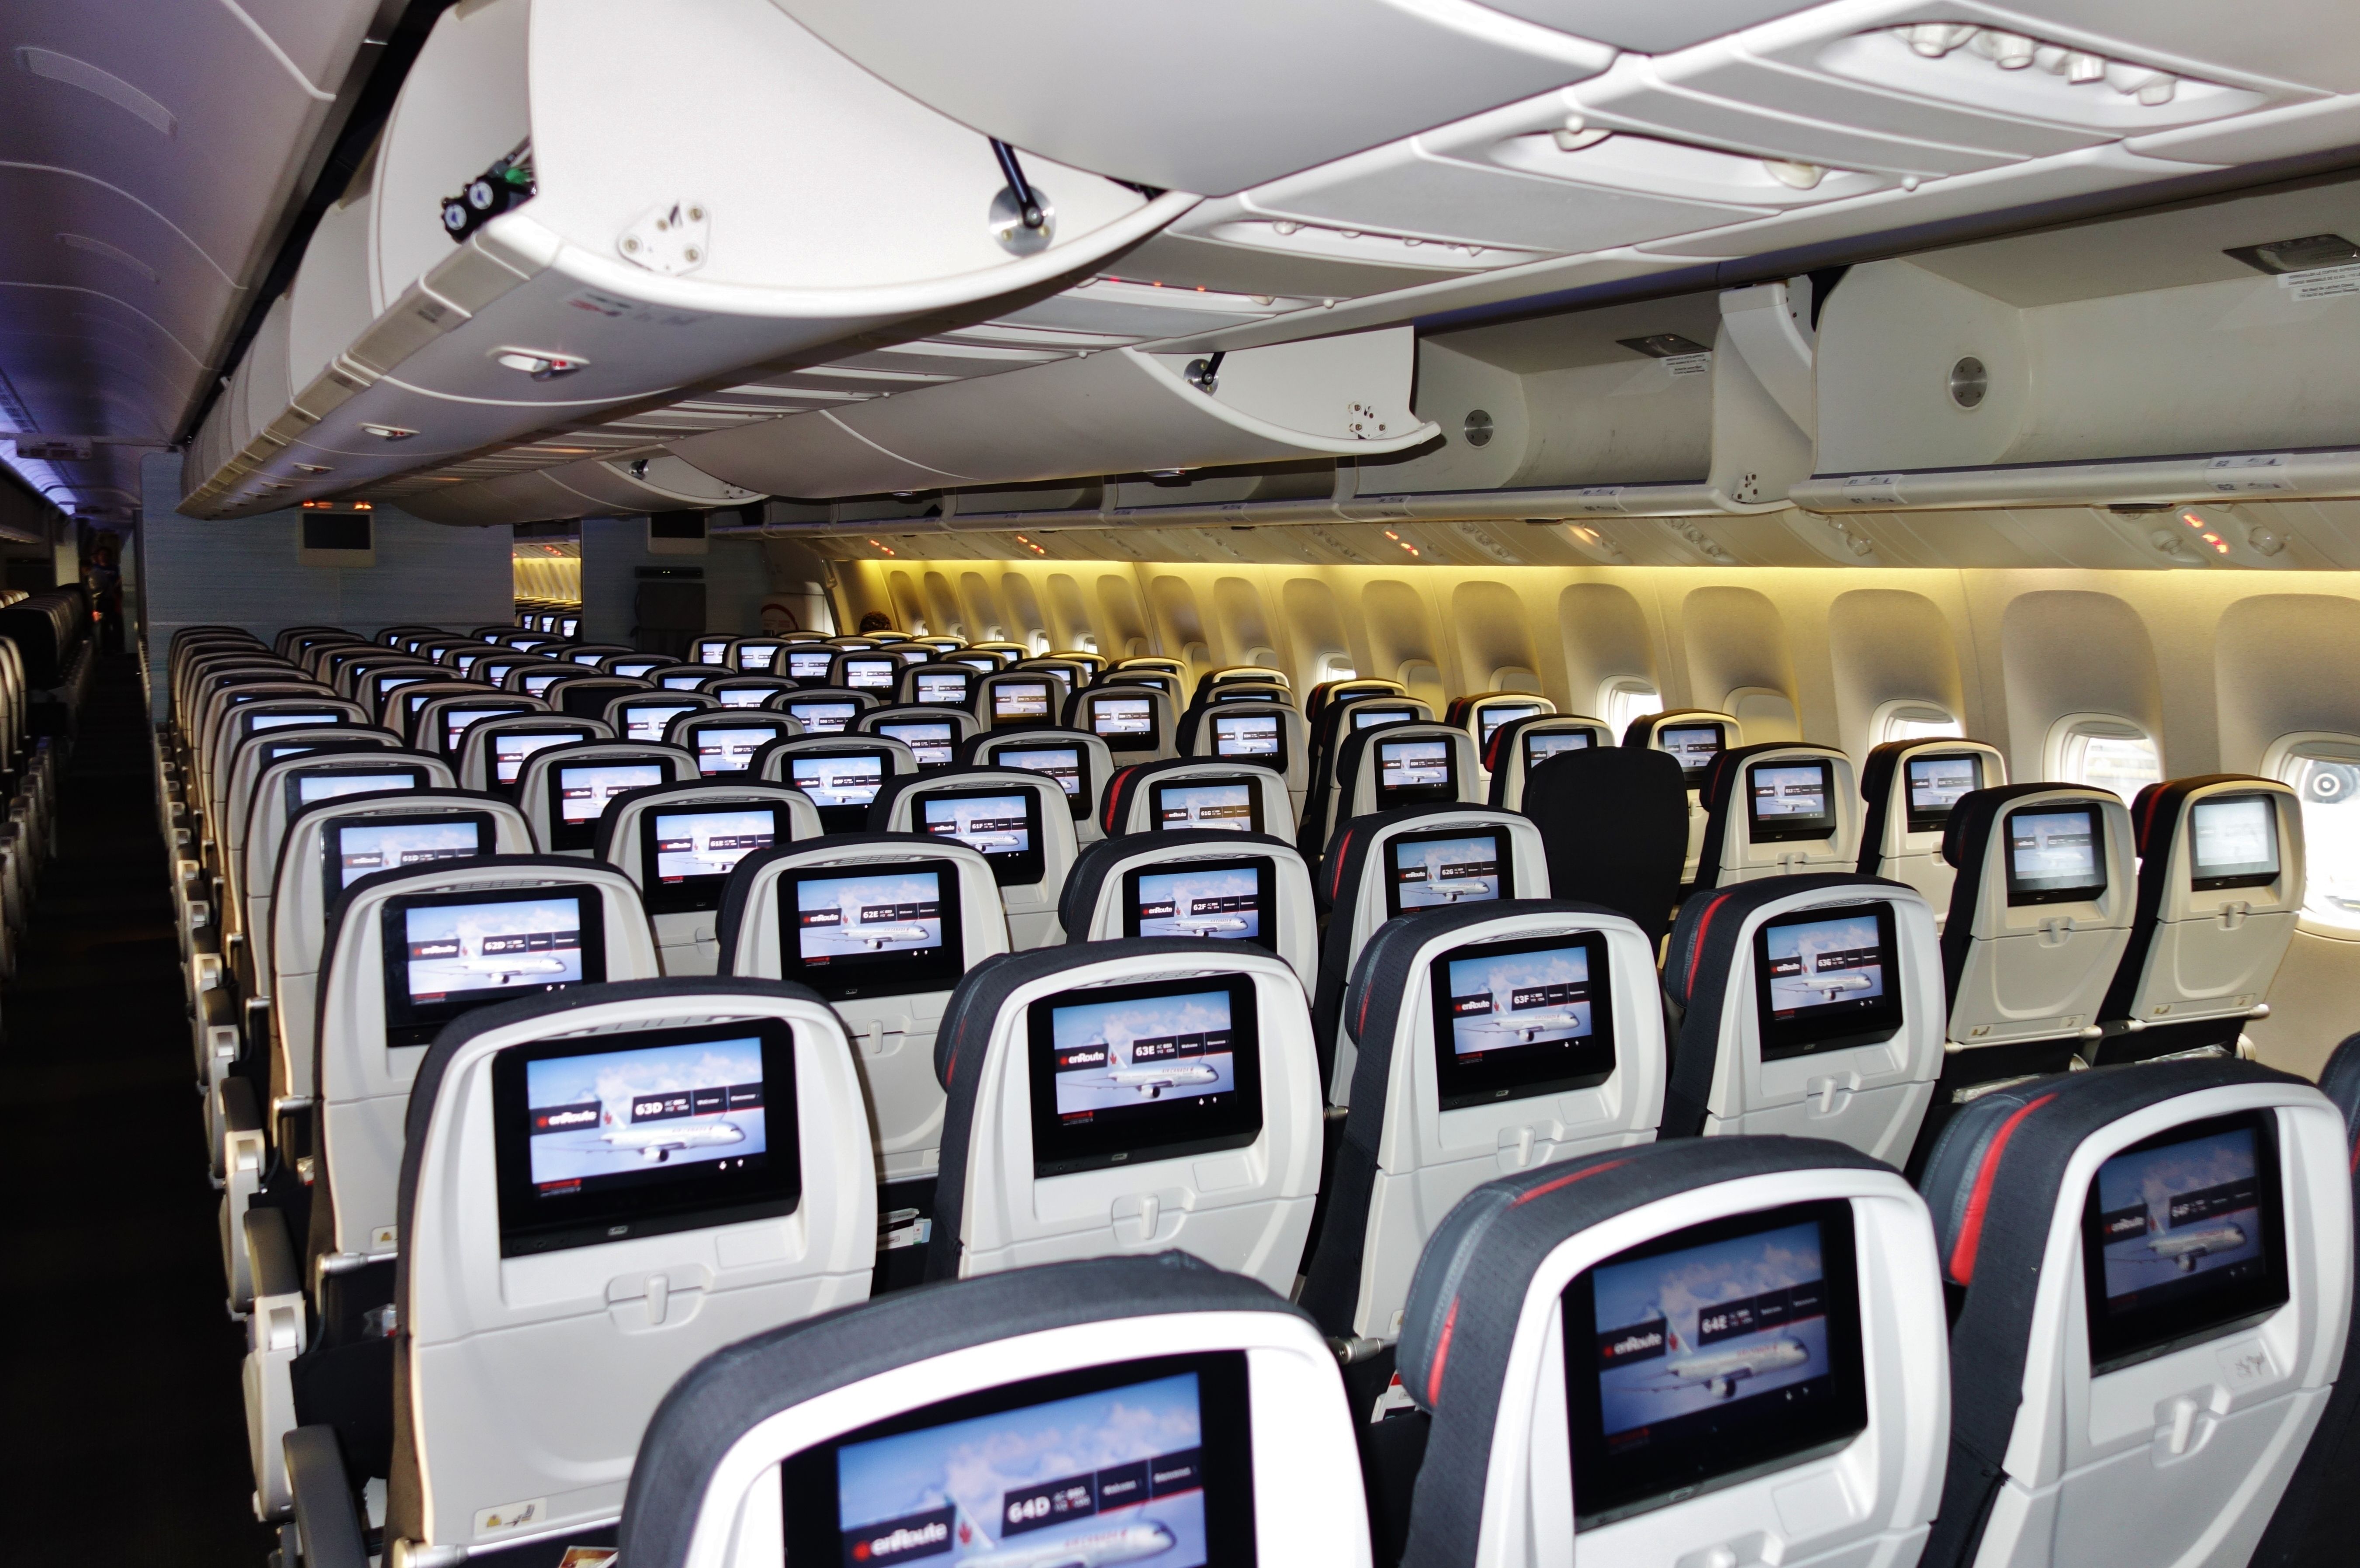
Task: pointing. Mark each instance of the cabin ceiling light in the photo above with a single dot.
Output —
(2015, 51)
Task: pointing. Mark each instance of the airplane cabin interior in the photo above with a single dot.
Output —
(1488, 783)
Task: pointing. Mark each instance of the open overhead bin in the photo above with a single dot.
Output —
(2198, 354)
(642, 200)
(589, 488)
(1121, 411)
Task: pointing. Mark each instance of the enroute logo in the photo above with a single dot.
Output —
(899, 1540)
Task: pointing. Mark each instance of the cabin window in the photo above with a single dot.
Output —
(1621, 701)
(1337, 667)
(2326, 777)
(1915, 722)
(2104, 751)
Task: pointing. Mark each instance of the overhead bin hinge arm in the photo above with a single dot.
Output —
(1028, 206)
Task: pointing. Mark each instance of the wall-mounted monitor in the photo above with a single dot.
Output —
(890, 929)
(1252, 737)
(357, 847)
(1535, 1016)
(1489, 718)
(1826, 979)
(731, 748)
(687, 851)
(1414, 771)
(511, 747)
(1219, 900)
(1693, 746)
(351, 778)
(446, 952)
(1540, 745)
(943, 689)
(933, 741)
(1025, 702)
(1069, 765)
(1447, 867)
(649, 721)
(828, 717)
(2232, 842)
(2183, 1238)
(579, 793)
(1124, 723)
(1717, 1354)
(2055, 854)
(1935, 783)
(1222, 804)
(842, 783)
(1790, 802)
(1124, 1074)
(876, 673)
(1002, 825)
(1145, 1462)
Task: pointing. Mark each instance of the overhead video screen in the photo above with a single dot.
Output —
(1122, 1073)
(1228, 805)
(1719, 1354)
(1222, 900)
(2055, 855)
(1937, 784)
(1441, 870)
(2183, 1238)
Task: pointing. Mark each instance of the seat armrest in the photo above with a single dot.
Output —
(270, 1254)
(325, 1515)
(241, 1111)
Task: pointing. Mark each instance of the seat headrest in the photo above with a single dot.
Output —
(1097, 862)
(1122, 790)
(1615, 820)
(1468, 1293)
(1704, 937)
(733, 1391)
(739, 887)
(2340, 1081)
(1967, 835)
(880, 808)
(1347, 857)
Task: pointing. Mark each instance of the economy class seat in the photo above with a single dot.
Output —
(680, 842)
(1081, 762)
(1516, 746)
(1777, 808)
(1018, 821)
(1909, 788)
(1207, 883)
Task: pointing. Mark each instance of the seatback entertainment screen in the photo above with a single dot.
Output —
(822, 718)
(305, 788)
(878, 673)
(688, 851)
(1127, 1073)
(2232, 842)
(943, 687)
(1717, 1354)
(1826, 979)
(1694, 746)
(933, 741)
(1447, 867)
(357, 847)
(1228, 805)
(884, 930)
(1789, 802)
(731, 748)
(446, 952)
(1001, 825)
(1542, 744)
(1124, 723)
(643, 1133)
(810, 663)
(1531, 1015)
(1414, 770)
(1255, 737)
(649, 721)
(2183, 1238)
(1220, 900)
(1063, 763)
(510, 748)
(2055, 854)
(1935, 783)
(1142, 1462)
(841, 783)
(1023, 702)
(579, 793)
(1489, 719)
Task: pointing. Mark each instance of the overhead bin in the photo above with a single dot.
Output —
(593, 488)
(1123, 410)
(641, 208)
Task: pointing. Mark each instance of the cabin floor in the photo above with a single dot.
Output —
(122, 1390)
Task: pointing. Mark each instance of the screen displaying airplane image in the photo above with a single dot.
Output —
(1796, 790)
(646, 721)
(1433, 873)
(855, 917)
(583, 792)
(756, 656)
(1695, 746)
(1020, 699)
(1201, 902)
(991, 825)
(1124, 715)
(1225, 807)
(1512, 1000)
(1818, 964)
(1499, 713)
(619, 1113)
(837, 781)
(1936, 784)
(2054, 852)
(871, 675)
(2236, 842)
(1707, 1327)
(710, 843)
(1063, 763)
(822, 718)
(809, 665)
(1246, 735)
(1413, 764)
(943, 688)
(2180, 1219)
(1547, 743)
(1091, 1481)
(366, 846)
(455, 721)
(931, 743)
(508, 751)
(1370, 717)
(522, 946)
(1123, 1056)
(327, 786)
(731, 749)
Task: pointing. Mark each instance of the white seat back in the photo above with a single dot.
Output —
(565, 789)
(1250, 888)
(1268, 734)
(840, 774)
(1080, 763)
(257, 809)
(1908, 788)
(493, 750)
(1519, 745)
(1779, 809)
(443, 720)
(284, 790)
(1385, 768)
(1196, 794)
(1139, 724)
(679, 843)
(1018, 820)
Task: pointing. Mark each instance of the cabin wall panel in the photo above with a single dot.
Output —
(1889, 645)
(1607, 631)
(2286, 663)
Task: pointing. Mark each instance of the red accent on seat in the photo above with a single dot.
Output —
(1548, 1187)
(1695, 944)
(1970, 1233)
(1441, 1356)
